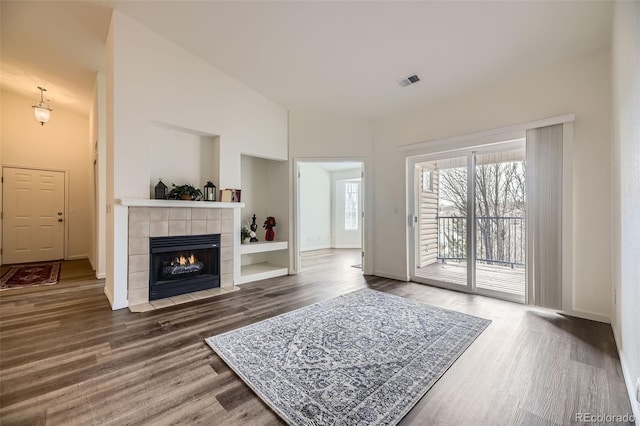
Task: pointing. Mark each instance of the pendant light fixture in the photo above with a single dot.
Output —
(42, 110)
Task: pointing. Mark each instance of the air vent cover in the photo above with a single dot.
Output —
(412, 79)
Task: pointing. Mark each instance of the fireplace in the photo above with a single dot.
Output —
(183, 264)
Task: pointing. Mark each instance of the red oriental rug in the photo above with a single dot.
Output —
(31, 275)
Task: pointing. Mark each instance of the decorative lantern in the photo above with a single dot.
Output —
(209, 192)
(161, 191)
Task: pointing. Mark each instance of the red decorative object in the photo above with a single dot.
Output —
(269, 223)
(269, 235)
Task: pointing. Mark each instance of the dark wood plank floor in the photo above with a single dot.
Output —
(66, 358)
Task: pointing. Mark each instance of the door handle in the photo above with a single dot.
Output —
(60, 220)
(59, 213)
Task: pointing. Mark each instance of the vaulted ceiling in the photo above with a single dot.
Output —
(338, 57)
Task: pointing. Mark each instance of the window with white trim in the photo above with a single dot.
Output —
(351, 205)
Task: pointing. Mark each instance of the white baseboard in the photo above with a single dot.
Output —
(390, 275)
(586, 315)
(75, 257)
(78, 257)
(101, 275)
(93, 266)
(347, 246)
(322, 247)
(628, 380)
(109, 295)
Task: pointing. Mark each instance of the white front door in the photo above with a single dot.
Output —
(33, 215)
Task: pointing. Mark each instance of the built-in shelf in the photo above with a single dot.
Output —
(263, 246)
(264, 259)
(263, 270)
(260, 271)
(140, 202)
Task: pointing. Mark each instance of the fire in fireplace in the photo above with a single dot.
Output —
(183, 264)
(181, 267)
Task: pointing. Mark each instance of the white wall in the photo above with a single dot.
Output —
(179, 158)
(582, 87)
(61, 144)
(151, 80)
(93, 153)
(341, 237)
(264, 194)
(157, 81)
(315, 207)
(626, 191)
(255, 192)
(323, 137)
(98, 149)
(117, 297)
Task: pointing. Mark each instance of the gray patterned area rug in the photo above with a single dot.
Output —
(366, 357)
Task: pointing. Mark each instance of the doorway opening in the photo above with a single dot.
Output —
(330, 209)
(470, 220)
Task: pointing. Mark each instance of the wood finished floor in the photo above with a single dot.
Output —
(66, 358)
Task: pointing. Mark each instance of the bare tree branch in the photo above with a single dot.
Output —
(499, 193)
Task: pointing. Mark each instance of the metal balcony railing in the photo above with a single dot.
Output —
(499, 240)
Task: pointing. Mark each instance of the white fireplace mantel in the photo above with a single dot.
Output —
(140, 202)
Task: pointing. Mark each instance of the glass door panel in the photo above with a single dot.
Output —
(441, 221)
(500, 223)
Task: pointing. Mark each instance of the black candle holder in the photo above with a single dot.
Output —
(254, 228)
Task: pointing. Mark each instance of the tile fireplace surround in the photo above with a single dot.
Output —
(159, 218)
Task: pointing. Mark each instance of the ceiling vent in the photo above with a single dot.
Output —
(407, 81)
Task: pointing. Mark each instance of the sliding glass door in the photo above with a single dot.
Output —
(500, 222)
(441, 221)
(469, 221)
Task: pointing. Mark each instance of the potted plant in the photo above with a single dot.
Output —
(245, 234)
(184, 192)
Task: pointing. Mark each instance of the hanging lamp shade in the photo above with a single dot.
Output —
(41, 110)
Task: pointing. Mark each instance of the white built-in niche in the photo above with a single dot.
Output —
(179, 155)
(265, 192)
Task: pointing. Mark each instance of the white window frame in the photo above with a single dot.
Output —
(351, 222)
